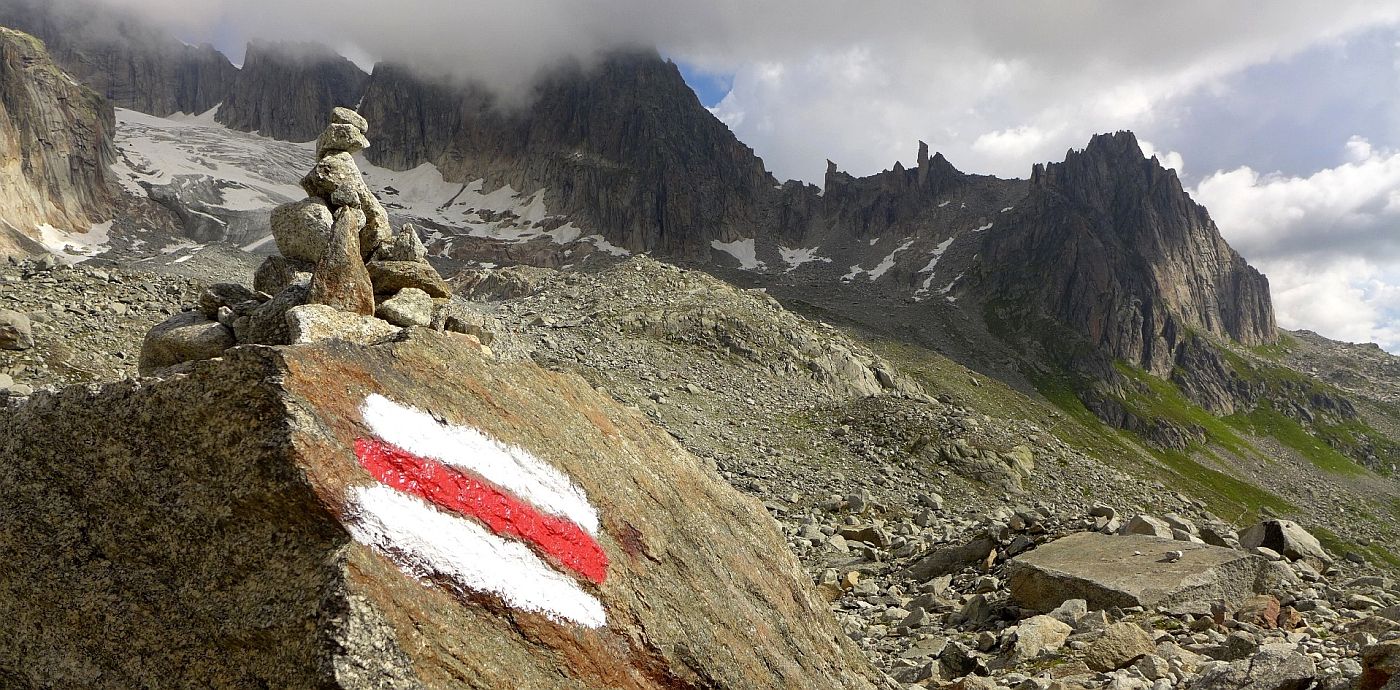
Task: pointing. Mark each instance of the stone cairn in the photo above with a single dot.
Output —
(342, 272)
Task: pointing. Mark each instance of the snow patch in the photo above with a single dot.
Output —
(743, 251)
(75, 247)
(934, 256)
(796, 257)
(881, 268)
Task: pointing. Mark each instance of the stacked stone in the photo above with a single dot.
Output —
(341, 271)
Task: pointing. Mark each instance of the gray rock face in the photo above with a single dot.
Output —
(302, 229)
(671, 193)
(185, 337)
(1287, 538)
(1123, 257)
(58, 137)
(1270, 669)
(1132, 570)
(15, 331)
(114, 497)
(284, 90)
(123, 57)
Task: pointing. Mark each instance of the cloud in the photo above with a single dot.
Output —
(1027, 79)
(1329, 242)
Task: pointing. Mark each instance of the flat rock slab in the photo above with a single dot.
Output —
(1132, 570)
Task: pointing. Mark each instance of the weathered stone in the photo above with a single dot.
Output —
(346, 116)
(341, 280)
(391, 276)
(1131, 570)
(133, 504)
(1036, 636)
(1070, 611)
(224, 295)
(411, 307)
(1120, 645)
(1262, 611)
(334, 172)
(1379, 664)
(341, 138)
(15, 331)
(376, 230)
(1270, 669)
(460, 319)
(1289, 539)
(302, 229)
(1148, 525)
(267, 325)
(309, 323)
(276, 273)
(405, 246)
(185, 337)
(950, 560)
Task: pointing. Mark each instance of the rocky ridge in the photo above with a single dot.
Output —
(122, 57)
(284, 90)
(1121, 256)
(55, 144)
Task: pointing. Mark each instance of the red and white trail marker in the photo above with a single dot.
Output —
(452, 502)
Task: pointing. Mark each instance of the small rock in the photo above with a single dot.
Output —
(405, 246)
(341, 138)
(302, 229)
(185, 337)
(1119, 645)
(309, 323)
(15, 331)
(410, 307)
(346, 116)
(389, 277)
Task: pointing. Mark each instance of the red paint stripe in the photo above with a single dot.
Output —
(459, 492)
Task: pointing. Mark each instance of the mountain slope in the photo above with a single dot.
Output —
(55, 146)
(623, 147)
(1109, 244)
(132, 63)
(284, 90)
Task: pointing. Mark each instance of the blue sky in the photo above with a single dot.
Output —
(710, 87)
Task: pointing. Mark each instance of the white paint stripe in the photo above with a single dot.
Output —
(509, 467)
(425, 541)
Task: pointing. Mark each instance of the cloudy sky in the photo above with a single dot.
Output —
(1282, 117)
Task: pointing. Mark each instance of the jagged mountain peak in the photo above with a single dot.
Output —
(285, 89)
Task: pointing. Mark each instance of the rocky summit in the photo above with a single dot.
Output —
(318, 378)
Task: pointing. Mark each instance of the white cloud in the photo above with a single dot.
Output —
(1168, 159)
(1329, 242)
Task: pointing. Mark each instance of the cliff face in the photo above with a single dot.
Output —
(1109, 244)
(624, 147)
(55, 146)
(284, 90)
(131, 63)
